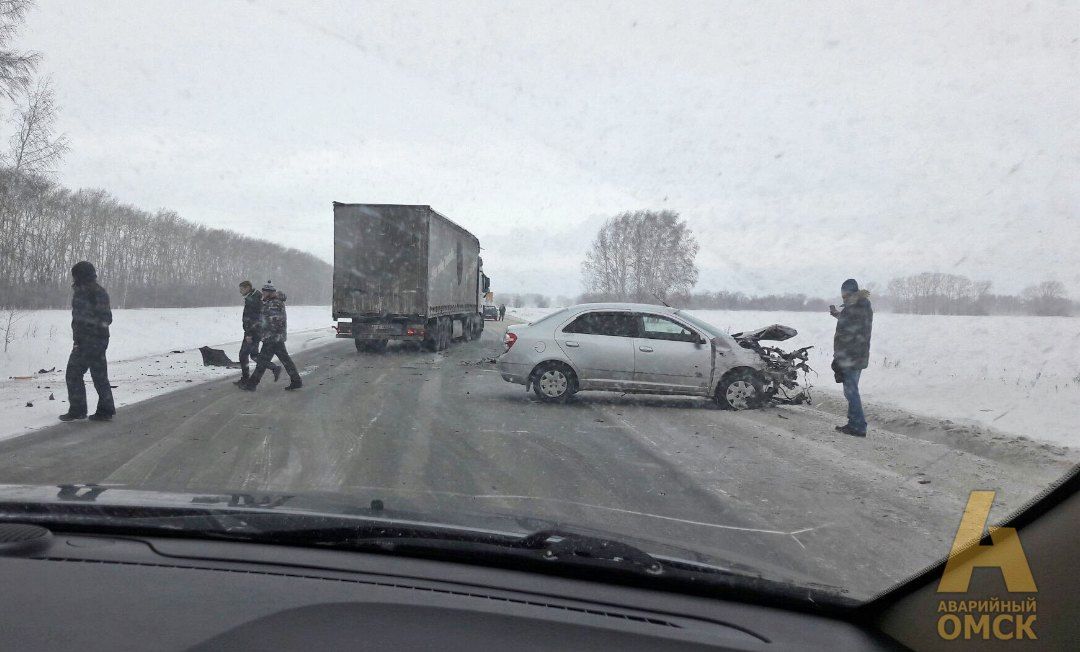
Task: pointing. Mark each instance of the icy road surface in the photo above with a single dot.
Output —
(776, 489)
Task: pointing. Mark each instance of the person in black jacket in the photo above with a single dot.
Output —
(851, 350)
(274, 329)
(250, 321)
(90, 320)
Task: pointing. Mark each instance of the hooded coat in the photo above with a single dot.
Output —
(851, 344)
(91, 314)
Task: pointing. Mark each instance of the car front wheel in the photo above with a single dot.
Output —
(740, 391)
(554, 383)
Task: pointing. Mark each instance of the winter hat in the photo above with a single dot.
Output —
(850, 286)
(269, 287)
(83, 272)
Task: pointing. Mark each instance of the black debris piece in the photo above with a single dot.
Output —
(216, 358)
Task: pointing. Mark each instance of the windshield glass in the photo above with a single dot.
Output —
(709, 329)
(322, 254)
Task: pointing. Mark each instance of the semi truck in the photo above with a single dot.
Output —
(405, 272)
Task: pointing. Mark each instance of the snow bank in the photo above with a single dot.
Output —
(1015, 374)
(142, 362)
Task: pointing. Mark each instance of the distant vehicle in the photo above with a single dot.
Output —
(491, 313)
(404, 272)
(649, 349)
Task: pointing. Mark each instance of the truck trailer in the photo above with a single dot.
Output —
(404, 272)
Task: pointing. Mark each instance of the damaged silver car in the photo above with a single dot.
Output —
(639, 348)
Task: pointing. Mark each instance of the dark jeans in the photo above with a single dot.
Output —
(269, 350)
(89, 356)
(856, 420)
(248, 351)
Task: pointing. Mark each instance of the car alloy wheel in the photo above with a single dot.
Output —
(740, 394)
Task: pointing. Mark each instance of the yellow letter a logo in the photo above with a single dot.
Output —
(1005, 553)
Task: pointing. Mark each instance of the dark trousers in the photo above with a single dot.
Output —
(269, 350)
(89, 356)
(248, 351)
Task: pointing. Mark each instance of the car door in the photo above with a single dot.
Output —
(671, 357)
(601, 346)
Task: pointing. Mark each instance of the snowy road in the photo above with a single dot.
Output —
(776, 488)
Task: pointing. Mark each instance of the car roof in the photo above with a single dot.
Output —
(645, 307)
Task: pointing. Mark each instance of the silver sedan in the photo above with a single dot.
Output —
(639, 348)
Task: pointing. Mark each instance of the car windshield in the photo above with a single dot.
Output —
(320, 256)
(709, 329)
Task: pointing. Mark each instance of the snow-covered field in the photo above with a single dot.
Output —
(1015, 374)
(151, 352)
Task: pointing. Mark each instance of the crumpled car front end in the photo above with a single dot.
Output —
(785, 371)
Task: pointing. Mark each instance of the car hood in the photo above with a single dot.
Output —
(774, 333)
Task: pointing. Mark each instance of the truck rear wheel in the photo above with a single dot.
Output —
(431, 336)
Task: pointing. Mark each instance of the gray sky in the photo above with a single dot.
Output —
(804, 142)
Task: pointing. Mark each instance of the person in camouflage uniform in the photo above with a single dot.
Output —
(250, 321)
(273, 326)
(851, 350)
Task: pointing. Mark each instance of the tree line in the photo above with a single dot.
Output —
(938, 293)
(649, 257)
(145, 260)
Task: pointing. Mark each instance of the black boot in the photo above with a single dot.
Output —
(101, 416)
(67, 416)
(276, 370)
(295, 383)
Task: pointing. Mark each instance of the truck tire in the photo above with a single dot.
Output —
(431, 336)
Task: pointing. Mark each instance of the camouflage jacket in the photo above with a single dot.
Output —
(273, 323)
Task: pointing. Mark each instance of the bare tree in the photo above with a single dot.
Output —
(642, 256)
(16, 68)
(10, 316)
(1046, 299)
(35, 147)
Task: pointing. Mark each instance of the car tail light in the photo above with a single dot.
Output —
(409, 332)
(509, 340)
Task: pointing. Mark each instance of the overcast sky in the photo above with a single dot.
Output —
(804, 142)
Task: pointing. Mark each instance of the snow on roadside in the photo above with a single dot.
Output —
(151, 352)
(1015, 374)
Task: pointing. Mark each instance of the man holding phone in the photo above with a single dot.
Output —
(851, 350)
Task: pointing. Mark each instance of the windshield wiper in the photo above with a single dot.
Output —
(558, 545)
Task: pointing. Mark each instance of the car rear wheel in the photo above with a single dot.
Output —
(741, 390)
(554, 382)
